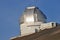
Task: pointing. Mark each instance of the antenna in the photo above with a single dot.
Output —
(35, 2)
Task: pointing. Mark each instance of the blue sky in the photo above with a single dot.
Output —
(10, 11)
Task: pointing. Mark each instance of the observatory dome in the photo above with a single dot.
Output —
(32, 14)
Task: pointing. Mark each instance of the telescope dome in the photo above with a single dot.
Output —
(32, 14)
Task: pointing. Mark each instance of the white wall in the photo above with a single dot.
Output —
(27, 29)
(48, 25)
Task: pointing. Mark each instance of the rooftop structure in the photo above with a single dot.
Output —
(33, 21)
(32, 14)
